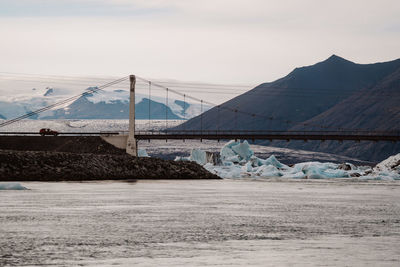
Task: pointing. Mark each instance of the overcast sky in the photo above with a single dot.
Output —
(227, 41)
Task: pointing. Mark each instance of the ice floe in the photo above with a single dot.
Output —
(142, 153)
(12, 186)
(237, 160)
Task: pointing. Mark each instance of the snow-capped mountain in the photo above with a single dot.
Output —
(99, 105)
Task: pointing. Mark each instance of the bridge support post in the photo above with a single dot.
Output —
(131, 145)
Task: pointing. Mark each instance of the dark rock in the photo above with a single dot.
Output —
(345, 166)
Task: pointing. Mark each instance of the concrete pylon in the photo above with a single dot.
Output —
(131, 145)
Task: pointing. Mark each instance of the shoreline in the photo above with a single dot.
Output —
(84, 158)
(64, 166)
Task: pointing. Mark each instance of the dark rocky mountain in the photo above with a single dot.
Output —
(332, 94)
(374, 109)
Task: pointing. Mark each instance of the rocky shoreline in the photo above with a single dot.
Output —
(63, 166)
(78, 158)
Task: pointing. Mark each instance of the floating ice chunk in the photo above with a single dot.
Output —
(388, 176)
(233, 171)
(318, 170)
(255, 162)
(226, 151)
(199, 156)
(178, 158)
(389, 169)
(268, 171)
(234, 159)
(243, 150)
(247, 167)
(274, 162)
(391, 164)
(142, 153)
(12, 186)
(297, 175)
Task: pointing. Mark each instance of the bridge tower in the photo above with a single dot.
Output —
(131, 145)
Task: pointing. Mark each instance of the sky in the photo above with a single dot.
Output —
(219, 41)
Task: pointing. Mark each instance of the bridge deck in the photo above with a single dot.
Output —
(269, 137)
(249, 135)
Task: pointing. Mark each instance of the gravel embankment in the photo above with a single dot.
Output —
(76, 158)
(61, 166)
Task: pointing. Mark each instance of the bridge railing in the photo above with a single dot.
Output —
(263, 132)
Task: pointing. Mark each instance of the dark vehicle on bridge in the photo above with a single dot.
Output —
(47, 131)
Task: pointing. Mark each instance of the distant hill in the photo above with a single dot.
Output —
(335, 93)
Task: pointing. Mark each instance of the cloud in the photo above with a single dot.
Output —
(77, 8)
(250, 41)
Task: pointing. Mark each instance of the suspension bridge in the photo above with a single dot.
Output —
(129, 138)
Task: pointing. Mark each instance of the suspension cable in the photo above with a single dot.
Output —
(63, 102)
(166, 111)
(149, 104)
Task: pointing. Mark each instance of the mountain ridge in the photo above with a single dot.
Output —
(305, 93)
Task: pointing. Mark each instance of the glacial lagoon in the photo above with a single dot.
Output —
(242, 222)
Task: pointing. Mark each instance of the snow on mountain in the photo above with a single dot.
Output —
(109, 97)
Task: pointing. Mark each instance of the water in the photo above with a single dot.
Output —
(202, 223)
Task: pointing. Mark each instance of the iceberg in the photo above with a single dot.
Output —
(391, 164)
(243, 150)
(318, 170)
(12, 186)
(227, 152)
(268, 171)
(274, 162)
(237, 160)
(142, 153)
(389, 169)
(199, 156)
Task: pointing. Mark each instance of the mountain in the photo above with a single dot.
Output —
(303, 94)
(375, 109)
(17, 108)
(332, 94)
(83, 108)
(99, 105)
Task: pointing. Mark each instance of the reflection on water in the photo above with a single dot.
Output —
(202, 223)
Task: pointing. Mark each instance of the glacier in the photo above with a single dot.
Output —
(24, 101)
(238, 161)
